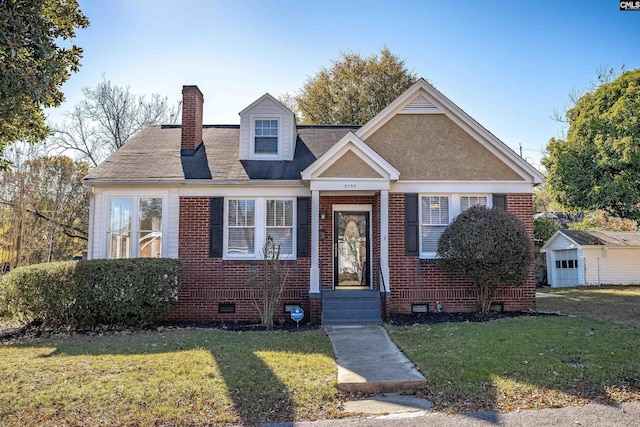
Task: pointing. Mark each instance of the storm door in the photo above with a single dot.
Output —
(351, 249)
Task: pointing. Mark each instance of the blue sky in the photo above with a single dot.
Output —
(508, 64)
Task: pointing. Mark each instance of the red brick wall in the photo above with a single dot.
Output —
(420, 281)
(206, 282)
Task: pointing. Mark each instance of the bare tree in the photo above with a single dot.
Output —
(106, 119)
(43, 208)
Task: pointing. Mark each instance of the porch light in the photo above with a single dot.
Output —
(323, 214)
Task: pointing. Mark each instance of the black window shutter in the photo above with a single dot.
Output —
(303, 243)
(411, 225)
(216, 224)
(500, 201)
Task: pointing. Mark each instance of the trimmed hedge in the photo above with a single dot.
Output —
(84, 294)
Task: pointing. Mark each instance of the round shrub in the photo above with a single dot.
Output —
(490, 247)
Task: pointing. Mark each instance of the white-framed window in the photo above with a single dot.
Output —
(467, 202)
(265, 136)
(280, 224)
(241, 225)
(135, 226)
(248, 222)
(434, 218)
(436, 213)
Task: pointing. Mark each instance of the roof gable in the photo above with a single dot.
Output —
(350, 165)
(355, 149)
(594, 238)
(266, 98)
(422, 98)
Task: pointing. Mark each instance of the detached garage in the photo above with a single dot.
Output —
(592, 258)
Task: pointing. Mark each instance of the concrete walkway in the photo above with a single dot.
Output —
(369, 362)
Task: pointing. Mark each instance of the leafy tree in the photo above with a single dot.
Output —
(106, 119)
(543, 229)
(353, 90)
(543, 200)
(597, 165)
(33, 66)
(599, 220)
(44, 210)
(490, 247)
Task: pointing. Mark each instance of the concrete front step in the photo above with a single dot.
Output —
(369, 362)
(350, 307)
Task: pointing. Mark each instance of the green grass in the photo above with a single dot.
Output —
(523, 363)
(618, 304)
(179, 377)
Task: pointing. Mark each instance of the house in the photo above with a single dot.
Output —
(592, 258)
(357, 209)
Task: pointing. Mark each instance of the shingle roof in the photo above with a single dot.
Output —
(606, 238)
(154, 155)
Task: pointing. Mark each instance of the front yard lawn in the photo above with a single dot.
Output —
(618, 304)
(524, 363)
(174, 377)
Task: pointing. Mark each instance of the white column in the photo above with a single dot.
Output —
(384, 238)
(314, 283)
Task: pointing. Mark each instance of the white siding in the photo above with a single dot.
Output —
(173, 212)
(612, 266)
(560, 249)
(561, 243)
(95, 247)
(267, 108)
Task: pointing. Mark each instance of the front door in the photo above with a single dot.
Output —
(351, 249)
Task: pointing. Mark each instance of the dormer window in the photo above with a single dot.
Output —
(266, 136)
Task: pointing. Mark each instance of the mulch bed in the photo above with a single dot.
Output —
(36, 331)
(433, 318)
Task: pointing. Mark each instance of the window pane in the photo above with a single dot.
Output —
(241, 241)
(430, 237)
(468, 201)
(435, 210)
(120, 212)
(266, 145)
(241, 213)
(150, 214)
(150, 244)
(282, 237)
(119, 245)
(279, 213)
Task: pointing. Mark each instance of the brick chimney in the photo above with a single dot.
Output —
(192, 101)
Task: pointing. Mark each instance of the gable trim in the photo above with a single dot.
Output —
(459, 117)
(350, 142)
(557, 235)
(266, 96)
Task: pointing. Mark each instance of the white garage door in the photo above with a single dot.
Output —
(566, 268)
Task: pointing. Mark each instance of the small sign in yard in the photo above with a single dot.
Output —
(297, 314)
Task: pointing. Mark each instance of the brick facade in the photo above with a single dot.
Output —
(420, 281)
(207, 282)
